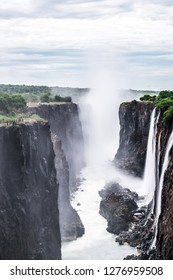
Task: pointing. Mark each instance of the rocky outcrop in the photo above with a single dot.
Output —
(29, 216)
(117, 206)
(134, 129)
(71, 225)
(64, 122)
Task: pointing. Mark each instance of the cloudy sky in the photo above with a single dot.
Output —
(56, 42)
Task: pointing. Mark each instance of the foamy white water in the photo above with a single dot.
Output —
(96, 243)
(100, 124)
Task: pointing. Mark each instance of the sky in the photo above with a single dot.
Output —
(61, 42)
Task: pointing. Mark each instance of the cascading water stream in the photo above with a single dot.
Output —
(149, 181)
(160, 187)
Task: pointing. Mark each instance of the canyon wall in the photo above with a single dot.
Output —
(64, 122)
(164, 244)
(71, 225)
(67, 137)
(134, 120)
(29, 216)
(134, 124)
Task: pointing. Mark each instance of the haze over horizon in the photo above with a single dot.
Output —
(56, 43)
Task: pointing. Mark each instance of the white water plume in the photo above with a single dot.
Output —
(99, 117)
(100, 124)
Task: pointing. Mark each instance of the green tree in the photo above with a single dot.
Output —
(45, 98)
(167, 116)
(9, 102)
(17, 101)
(59, 98)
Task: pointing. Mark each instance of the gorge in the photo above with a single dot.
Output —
(58, 172)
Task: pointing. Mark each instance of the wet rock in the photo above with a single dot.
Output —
(117, 206)
(65, 123)
(71, 226)
(29, 216)
(134, 129)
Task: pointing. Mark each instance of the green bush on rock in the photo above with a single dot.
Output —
(164, 102)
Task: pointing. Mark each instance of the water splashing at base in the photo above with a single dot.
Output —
(100, 122)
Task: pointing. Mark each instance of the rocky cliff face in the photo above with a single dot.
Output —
(134, 129)
(67, 137)
(71, 225)
(29, 216)
(164, 245)
(64, 122)
(134, 122)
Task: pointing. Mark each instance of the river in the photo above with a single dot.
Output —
(96, 243)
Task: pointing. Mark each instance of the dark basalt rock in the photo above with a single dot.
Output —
(164, 244)
(134, 129)
(117, 206)
(134, 124)
(29, 216)
(71, 225)
(65, 123)
(140, 227)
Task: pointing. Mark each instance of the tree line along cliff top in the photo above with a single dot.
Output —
(14, 101)
(164, 102)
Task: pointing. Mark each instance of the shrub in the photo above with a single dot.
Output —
(45, 98)
(59, 98)
(148, 97)
(17, 101)
(167, 116)
(9, 102)
(165, 94)
(164, 103)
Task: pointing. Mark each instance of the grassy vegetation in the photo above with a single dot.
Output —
(7, 118)
(36, 117)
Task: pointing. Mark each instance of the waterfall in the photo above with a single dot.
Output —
(149, 181)
(160, 187)
(157, 168)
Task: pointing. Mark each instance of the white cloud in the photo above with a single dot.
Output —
(28, 28)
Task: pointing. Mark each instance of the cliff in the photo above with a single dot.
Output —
(71, 225)
(29, 216)
(134, 124)
(134, 120)
(164, 244)
(67, 137)
(64, 122)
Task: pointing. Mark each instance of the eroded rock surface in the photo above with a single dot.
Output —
(29, 216)
(71, 225)
(134, 129)
(117, 206)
